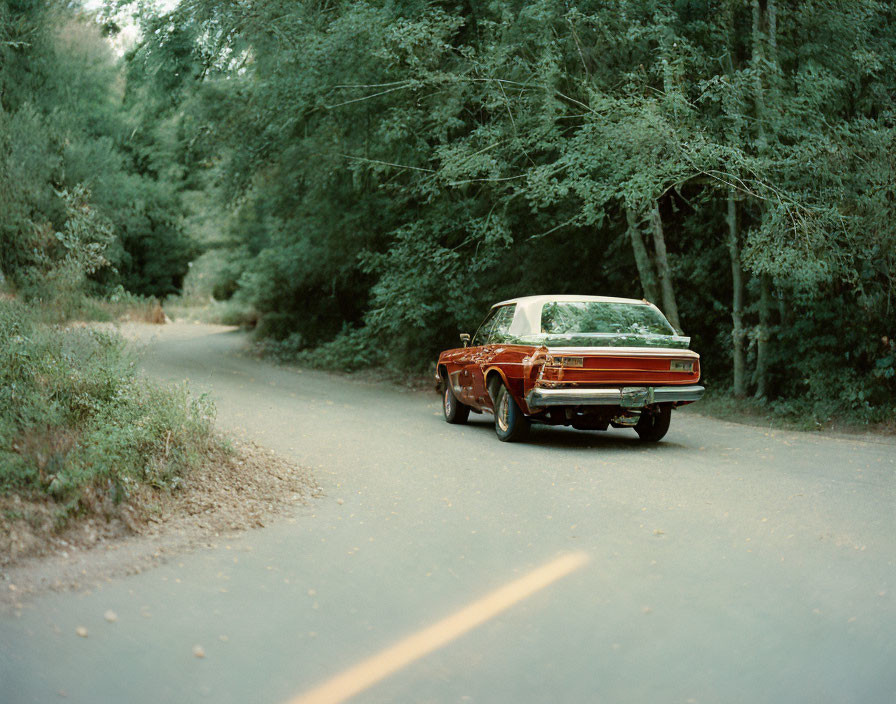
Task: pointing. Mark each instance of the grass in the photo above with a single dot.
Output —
(123, 306)
(208, 310)
(79, 426)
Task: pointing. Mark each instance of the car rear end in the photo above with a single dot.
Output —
(613, 383)
(609, 363)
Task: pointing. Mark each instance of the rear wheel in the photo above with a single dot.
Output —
(510, 423)
(455, 411)
(654, 423)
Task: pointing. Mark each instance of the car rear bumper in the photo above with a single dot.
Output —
(625, 396)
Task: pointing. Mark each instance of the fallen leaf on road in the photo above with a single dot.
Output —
(110, 616)
(198, 651)
(81, 631)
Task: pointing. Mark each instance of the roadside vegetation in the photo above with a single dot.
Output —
(90, 231)
(82, 434)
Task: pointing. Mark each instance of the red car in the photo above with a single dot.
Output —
(586, 361)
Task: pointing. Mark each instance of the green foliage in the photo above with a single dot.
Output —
(351, 350)
(65, 133)
(61, 262)
(77, 417)
(371, 175)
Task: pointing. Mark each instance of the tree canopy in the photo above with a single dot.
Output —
(380, 172)
(66, 135)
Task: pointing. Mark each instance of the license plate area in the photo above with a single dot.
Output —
(634, 397)
(681, 365)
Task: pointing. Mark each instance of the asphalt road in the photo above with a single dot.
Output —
(727, 564)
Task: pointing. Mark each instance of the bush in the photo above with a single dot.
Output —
(120, 304)
(234, 311)
(77, 421)
(352, 349)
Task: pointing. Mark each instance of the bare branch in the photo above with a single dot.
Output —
(486, 180)
(366, 97)
(387, 163)
(373, 85)
(554, 229)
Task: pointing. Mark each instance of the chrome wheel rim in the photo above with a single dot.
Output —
(447, 401)
(502, 417)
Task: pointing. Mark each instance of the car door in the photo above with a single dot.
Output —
(481, 354)
(468, 362)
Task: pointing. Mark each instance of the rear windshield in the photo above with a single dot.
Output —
(589, 317)
(600, 324)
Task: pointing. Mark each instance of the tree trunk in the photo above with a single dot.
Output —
(758, 64)
(785, 312)
(738, 334)
(764, 37)
(670, 308)
(642, 259)
(737, 298)
(762, 341)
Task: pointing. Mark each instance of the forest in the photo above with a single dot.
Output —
(362, 179)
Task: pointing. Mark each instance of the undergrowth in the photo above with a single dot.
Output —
(797, 414)
(351, 351)
(79, 425)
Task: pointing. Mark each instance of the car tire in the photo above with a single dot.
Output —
(510, 423)
(455, 411)
(654, 424)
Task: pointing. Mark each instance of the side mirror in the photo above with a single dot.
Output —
(465, 338)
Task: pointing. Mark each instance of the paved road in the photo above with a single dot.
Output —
(728, 564)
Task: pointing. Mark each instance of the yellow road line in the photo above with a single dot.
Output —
(369, 672)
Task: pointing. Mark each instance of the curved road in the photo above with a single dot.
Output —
(727, 564)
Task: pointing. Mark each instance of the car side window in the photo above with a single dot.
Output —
(482, 334)
(501, 329)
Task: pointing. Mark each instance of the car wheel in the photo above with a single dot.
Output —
(455, 411)
(510, 423)
(653, 425)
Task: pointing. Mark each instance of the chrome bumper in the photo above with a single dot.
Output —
(625, 396)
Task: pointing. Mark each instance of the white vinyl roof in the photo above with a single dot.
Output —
(536, 300)
(527, 316)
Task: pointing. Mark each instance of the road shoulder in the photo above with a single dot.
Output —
(236, 491)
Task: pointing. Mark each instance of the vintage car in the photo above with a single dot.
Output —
(586, 361)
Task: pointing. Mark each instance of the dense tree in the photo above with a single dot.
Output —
(381, 171)
(64, 129)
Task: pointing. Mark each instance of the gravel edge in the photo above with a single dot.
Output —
(234, 491)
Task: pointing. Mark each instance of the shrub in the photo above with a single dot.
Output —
(352, 349)
(77, 420)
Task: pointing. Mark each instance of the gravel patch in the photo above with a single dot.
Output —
(233, 491)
